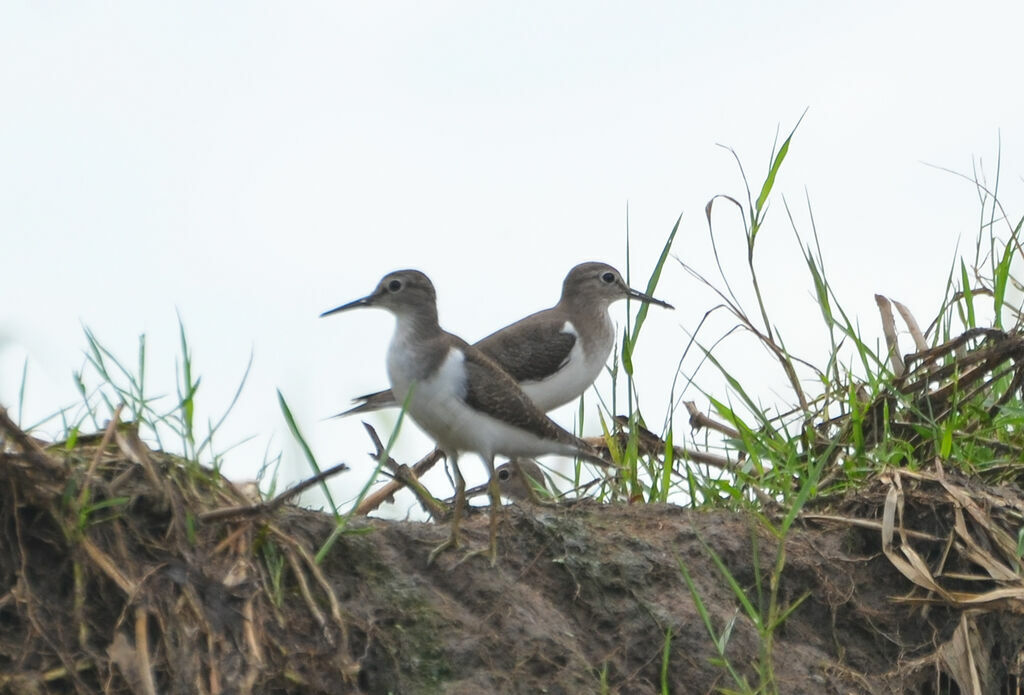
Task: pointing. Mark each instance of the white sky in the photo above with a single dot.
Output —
(250, 165)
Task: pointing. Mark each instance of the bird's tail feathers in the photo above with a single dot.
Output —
(370, 403)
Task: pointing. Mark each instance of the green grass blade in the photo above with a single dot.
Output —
(780, 156)
(186, 393)
(666, 470)
(782, 617)
(342, 524)
(666, 652)
(702, 611)
(21, 391)
(307, 452)
(968, 295)
(752, 612)
(652, 284)
(214, 427)
(1000, 281)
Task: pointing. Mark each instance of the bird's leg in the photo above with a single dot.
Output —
(496, 508)
(531, 491)
(460, 503)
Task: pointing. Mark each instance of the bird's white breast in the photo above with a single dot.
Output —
(578, 373)
(438, 405)
(438, 398)
(406, 362)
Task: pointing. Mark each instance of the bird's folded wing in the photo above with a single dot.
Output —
(492, 392)
(530, 350)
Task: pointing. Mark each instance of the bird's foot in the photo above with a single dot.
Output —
(491, 551)
(451, 542)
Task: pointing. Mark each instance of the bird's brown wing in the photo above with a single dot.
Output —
(493, 392)
(532, 349)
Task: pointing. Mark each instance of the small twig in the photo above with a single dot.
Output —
(144, 666)
(263, 507)
(213, 677)
(229, 540)
(655, 446)
(28, 445)
(868, 524)
(915, 330)
(255, 650)
(699, 420)
(924, 357)
(304, 485)
(293, 551)
(1011, 392)
(401, 480)
(307, 595)
(108, 567)
(349, 668)
(889, 331)
(108, 434)
(403, 473)
(132, 446)
(706, 459)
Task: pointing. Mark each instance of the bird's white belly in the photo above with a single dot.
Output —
(456, 427)
(438, 406)
(575, 377)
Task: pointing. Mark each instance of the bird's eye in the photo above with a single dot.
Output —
(608, 278)
(394, 285)
(504, 474)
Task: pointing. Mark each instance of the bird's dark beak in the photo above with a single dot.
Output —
(365, 301)
(640, 296)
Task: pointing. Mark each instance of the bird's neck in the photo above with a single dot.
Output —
(417, 347)
(418, 325)
(593, 315)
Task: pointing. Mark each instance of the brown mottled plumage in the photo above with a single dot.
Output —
(459, 395)
(536, 351)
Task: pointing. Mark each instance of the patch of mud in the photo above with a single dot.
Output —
(140, 585)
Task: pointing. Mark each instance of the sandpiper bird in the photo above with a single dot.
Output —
(459, 395)
(554, 354)
(519, 479)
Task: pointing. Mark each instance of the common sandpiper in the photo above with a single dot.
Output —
(521, 480)
(458, 395)
(554, 354)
